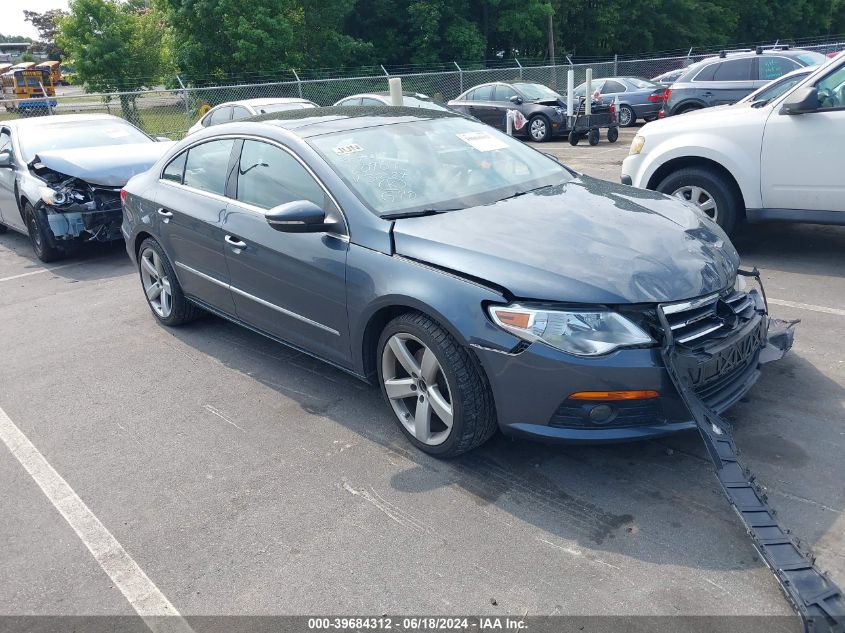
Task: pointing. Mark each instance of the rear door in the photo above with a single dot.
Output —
(733, 79)
(802, 156)
(191, 204)
(290, 285)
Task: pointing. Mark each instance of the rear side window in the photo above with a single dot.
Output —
(269, 176)
(734, 70)
(612, 87)
(240, 112)
(207, 166)
(350, 102)
(706, 73)
(368, 101)
(220, 115)
(175, 169)
(482, 93)
(769, 68)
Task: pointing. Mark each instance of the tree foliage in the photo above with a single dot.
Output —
(47, 25)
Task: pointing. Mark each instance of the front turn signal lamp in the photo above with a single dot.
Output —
(578, 332)
(637, 144)
(606, 396)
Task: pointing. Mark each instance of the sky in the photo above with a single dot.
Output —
(11, 15)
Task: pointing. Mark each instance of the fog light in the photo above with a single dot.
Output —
(601, 413)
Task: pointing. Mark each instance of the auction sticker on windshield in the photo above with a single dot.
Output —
(482, 141)
(351, 148)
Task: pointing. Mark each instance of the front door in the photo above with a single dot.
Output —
(802, 158)
(189, 220)
(9, 214)
(290, 285)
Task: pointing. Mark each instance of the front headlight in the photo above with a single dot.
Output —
(560, 111)
(637, 144)
(578, 332)
(52, 197)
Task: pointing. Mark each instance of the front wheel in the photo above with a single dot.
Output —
(436, 389)
(574, 137)
(712, 192)
(539, 128)
(39, 236)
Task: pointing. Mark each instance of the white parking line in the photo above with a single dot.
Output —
(37, 272)
(807, 306)
(139, 590)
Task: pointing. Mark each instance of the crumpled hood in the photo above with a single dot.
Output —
(586, 241)
(107, 166)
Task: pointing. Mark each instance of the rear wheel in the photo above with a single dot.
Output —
(574, 138)
(689, 108)
(627, 117)
(161, 288)
(436, 389)
(707, 189)
(42, 242)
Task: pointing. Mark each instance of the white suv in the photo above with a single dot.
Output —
(776, 159)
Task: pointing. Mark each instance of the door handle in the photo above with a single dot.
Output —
(165, 213)
(234, 242)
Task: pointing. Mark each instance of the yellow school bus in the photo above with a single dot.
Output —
(28, 90)
(55, 69)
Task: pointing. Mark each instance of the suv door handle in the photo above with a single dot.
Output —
(234, 242)
(165, 213)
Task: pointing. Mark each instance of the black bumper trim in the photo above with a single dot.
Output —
(816, 598)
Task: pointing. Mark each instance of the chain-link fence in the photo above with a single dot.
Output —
(170, 112)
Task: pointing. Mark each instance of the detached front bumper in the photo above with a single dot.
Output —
(532, 388)
(102, 225)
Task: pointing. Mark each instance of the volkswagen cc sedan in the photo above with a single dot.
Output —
(479, 282)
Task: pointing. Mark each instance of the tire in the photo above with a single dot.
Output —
(574, 137)
(689, 108)
(539, 128)
(39, 236)
(626, 117)
(169, 306)
(612, 134)
(594, 136)
(686, 184)
(457, 377)
(3, 229)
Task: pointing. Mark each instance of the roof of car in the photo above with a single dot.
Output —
(266, 101)
(55, 119)
(317, 121)
(385, 93)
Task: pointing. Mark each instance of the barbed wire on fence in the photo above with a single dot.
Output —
(171, 111)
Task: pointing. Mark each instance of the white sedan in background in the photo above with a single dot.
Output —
(235, 110)
(775, 159)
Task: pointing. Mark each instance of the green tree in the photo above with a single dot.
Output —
(14, 38)
(116, 47)
(47, 25)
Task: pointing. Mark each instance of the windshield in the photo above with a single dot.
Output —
(535, 92)
(76, 134)
(442, 164)
(279, 107)
(643, 84)
(812, 59)
(774, 89)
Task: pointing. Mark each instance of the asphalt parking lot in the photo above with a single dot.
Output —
(245, 478)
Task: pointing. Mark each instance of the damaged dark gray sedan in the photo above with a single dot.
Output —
(60, 177)
(480, 283)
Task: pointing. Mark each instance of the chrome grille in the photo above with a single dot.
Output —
(697, 321)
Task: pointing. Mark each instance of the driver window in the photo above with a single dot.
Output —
(5, 141)
(269, 176)
(832, 90)
(504, 93)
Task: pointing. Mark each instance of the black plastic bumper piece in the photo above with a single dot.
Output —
(816, 598)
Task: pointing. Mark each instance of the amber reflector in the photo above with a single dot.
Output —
(614, 395)
(516, 319)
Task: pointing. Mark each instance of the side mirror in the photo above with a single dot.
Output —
(299, 216)
(6, 159)
(802, 101)
(163, 139)
(516, 99)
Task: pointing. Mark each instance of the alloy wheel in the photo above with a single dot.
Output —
(156, 283)
(417, 389)
(699, 197)
(624, 117)
(538, 129)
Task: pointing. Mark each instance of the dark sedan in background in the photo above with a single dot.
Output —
(60, 177)
(638, 98)
(543, 108)
(478, 281)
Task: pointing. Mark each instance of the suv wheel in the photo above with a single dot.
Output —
(436, 389)
(707, 189)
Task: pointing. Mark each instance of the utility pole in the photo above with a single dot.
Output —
(552, 49)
